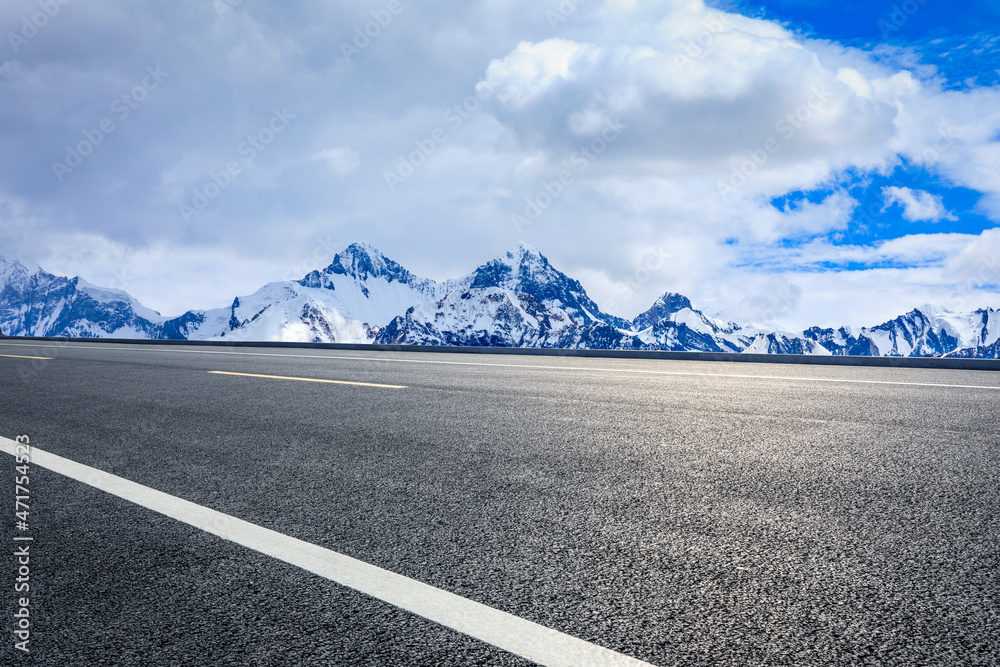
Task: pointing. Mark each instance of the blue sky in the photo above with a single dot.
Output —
(787, 163)
(867, 22)
(963, 47)
(960, 48)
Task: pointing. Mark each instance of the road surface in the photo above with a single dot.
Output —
(668, 512)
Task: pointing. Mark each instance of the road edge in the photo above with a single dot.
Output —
(729, 357)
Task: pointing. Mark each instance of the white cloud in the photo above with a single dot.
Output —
(977, 264)
(752, 89)
(775, 301)
(703, 96)
(341, 160)
(918, 206)
(530, 69)
(143, 273)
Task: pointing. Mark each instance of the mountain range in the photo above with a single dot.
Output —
(517, 300)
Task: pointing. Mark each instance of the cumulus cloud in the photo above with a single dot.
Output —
(753, 99)
(720, 114)
(918, 206)
(977, 263)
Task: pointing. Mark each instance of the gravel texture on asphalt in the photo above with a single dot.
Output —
(681, 519)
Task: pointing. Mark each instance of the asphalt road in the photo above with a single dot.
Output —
(683, 513)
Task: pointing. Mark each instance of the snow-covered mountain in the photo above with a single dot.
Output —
(36, 303)
(928, 331)
(347, 302)
(517, 300)
(672, 323)
(521, 300)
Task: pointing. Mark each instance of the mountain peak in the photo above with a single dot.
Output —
(525, 249)
(12, 267)
(662, 309)
(673, 302)
(31, 267)
(516, 269)
(516, 299)
(526, 271)
(526, 256)
(359, 261)
(932, 310)
(363, 248)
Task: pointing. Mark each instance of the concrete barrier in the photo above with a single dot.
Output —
(885, 362)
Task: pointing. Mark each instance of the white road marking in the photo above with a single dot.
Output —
(511, 633)
(300, 379)
(636, 371)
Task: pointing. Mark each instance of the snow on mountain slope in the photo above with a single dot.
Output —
(497, 317)
(915, 334)
(285, 312)
(109, 295)
(978, 333)
(778, 343)
(842, 341)
(517, 300)
(980, 328)
(347, 302)
(928, 331)
(672, 323)
(527, 271)
(365, 285)
(36, 303)
(302, 318)
(491, 316)
(991, 351)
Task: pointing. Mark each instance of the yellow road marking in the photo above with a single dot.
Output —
(283, 377)
(18, 356)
